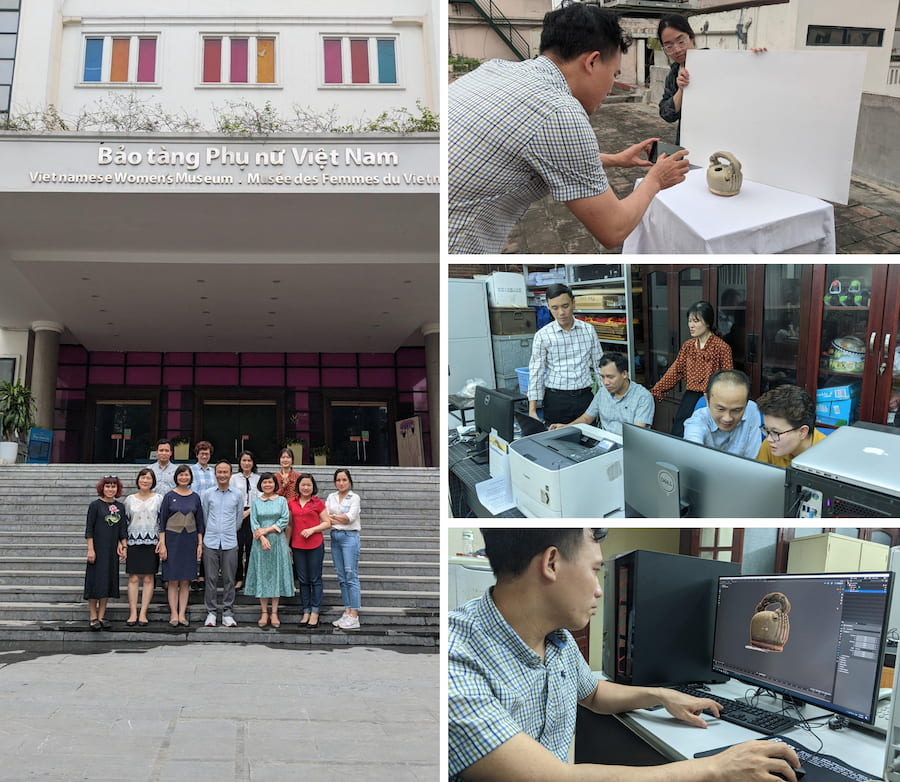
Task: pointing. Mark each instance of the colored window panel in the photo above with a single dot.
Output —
(146, 60)
(259, 376)
(265, 60)
(150, 359)
(119, 69)
(359, 60)
(71, 377)
(338, 359)
(107, 357)
(304, 378)
(178, 376)
(376, 360)
(239, 49)
(142, 376)
(333, 64)
(106, 375)
(411, 379)
(376, 378)
(340, 378)
(93, 59)
(217, 376)
(217, 359)
(262, 359)
(387, 62)
(212, 60)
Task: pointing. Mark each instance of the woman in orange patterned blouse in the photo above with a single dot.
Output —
(286, 478)
(702, 355)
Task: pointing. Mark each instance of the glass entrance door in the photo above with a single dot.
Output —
(360, 433)
(122, 430)
(234, 426)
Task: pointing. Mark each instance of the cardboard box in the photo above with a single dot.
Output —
(506, 289)
(512, 320)
(838, 393)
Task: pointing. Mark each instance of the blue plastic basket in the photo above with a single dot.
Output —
(523, 375)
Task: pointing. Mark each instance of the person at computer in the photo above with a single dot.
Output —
(789, 425)
(618, 401)
(730, 420)
(562, 356)
(516, 675)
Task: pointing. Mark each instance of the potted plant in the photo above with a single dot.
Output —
(181, 448)
(17, 412)
(320, 454)
(296, 444)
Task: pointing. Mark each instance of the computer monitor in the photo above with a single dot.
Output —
(817, 638)
(667, 477)
(495, 409)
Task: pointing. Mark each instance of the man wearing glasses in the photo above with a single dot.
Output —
(730, 420)
(789, 429)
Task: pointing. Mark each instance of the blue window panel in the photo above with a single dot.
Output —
(387, 62)
(93, 59)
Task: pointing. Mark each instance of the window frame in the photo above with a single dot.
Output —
(346, 67)
(225, 61)
(846, 31)
(133, 59)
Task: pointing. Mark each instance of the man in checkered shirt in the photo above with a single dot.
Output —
(521, 130)
(515, 674)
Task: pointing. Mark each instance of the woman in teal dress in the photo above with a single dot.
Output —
(269, 574)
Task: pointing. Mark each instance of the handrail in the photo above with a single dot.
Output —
(502, 26)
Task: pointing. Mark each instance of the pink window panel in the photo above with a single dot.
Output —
(262, 376)
(301, 400)
(262, 359)
(146, 60)
(303, 377)
(212, 60)
(411, 379)
(376, 360)
(72, 354)
(147, 359)
(179, 359)
(106, 375)
(173, 400)
(178, 376)
(411, 357)
(239, 49)
(71, 377)
(173, 420)
(339, 378)
(302, 359)
(142, 376)
(338, 359)
(376, 378)
(216, 376)
(359, 60)
(334, 72)
(107, 357)
(302, 422)
(420, 402)
(217, 359)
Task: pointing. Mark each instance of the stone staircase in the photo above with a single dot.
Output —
(42, 561)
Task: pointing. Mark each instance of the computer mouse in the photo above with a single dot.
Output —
(798, 772)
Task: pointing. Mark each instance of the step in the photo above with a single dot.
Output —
(76, 560)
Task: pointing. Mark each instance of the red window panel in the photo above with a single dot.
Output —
(359, 60)
(212, 60)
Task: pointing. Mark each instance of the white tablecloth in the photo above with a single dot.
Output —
(687, 218)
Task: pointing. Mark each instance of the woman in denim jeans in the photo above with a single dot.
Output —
(343, 509)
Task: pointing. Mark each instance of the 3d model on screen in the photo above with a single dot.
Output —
(769, 629)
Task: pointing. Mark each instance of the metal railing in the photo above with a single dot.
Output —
(502, 26)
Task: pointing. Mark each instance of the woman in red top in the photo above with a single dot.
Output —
(286, 478)
(309, 520)
(702, 355)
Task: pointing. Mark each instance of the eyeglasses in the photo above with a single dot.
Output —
(776, 436)
(680, 42)
(110, 477)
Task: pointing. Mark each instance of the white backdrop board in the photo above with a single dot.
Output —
(789, 117)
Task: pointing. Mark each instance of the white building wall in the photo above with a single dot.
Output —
(57, 28)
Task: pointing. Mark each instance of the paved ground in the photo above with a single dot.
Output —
(220, 712)
(870, 223)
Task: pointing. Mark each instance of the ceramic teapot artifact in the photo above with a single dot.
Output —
(724, 179)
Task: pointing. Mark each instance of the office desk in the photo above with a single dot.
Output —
(462, 477)
(687, 218)
(648, 738)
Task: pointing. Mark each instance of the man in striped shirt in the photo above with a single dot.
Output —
(562, 356)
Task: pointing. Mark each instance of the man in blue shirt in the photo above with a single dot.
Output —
(223, 508)
(730, 421)
(515, 674)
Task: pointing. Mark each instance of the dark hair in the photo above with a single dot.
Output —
(145, 471)
(791, 403)
(346, 472)
(676, 22)
(266, 476)
(108, 479)
(618, 359)
(734, 376)
(287, 451)
(225, 461)
(164, 441)
(704, 310)
(203, 445)
(306, 475)
(183, 468)
(558, 289)
(511, 550)
(241, 455)
(576, 28)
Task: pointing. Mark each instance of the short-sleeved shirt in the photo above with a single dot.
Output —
(635, 407)
(498, 687)
(765, 452)
(165, 478)
(304, 517)
(743, 440)
(516, 133)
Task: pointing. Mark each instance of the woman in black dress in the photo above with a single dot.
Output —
(181, 530)
(105, 533)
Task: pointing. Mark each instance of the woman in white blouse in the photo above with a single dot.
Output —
(142, 560)
(343, 508)
(245, 481)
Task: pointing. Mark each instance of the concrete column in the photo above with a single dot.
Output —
(45, 363)
(432, 334)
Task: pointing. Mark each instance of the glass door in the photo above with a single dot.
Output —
(122, 431)
(360, 433)
(781, 326)
(233, 426)
(886, 408)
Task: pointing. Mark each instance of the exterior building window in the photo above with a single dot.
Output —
(119, 59)
(820, 35)
(360, 60)
(9, 27)
(228, 60)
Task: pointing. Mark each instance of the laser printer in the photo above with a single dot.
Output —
(572, 471)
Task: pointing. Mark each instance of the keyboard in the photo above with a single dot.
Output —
(769, 723)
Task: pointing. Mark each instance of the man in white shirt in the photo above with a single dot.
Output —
(163, 468)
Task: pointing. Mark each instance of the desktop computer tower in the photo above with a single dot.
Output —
(658, 618)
